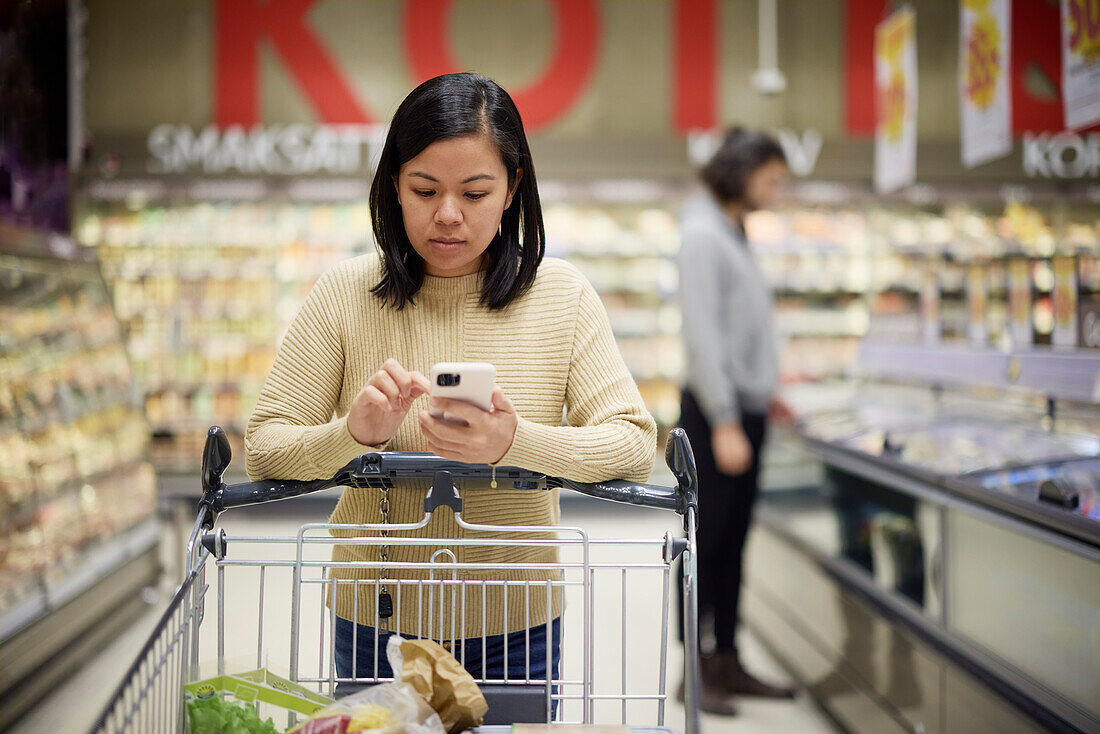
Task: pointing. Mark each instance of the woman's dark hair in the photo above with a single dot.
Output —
(452, 106)
(740, 155)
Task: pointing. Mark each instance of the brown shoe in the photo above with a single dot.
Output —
(711, 700)
(737, 681)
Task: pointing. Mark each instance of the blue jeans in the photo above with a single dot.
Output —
(491, 666)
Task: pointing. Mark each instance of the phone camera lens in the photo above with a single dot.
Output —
(447, 380)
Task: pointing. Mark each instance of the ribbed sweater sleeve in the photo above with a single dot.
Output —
(292, 433)
(610, 434)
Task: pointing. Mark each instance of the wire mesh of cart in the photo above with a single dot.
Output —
(611, 598)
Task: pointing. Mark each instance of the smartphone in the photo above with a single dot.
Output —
(469, 381)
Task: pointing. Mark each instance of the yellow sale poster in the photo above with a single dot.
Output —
(896, 101)
(1081, 62)
(985, 103)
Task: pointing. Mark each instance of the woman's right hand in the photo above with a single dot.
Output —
(378, 409)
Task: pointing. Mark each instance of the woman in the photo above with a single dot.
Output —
(459, 276)
(732, 376)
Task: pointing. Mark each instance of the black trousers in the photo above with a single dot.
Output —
(725, 510)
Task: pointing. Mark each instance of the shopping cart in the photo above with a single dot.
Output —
(606, 674)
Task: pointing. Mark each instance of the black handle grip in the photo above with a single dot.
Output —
(647, 495)
(1060, 492)
(216, 455)
(270, 490)
(681, 461)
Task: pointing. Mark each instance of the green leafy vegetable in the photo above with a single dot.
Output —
(215, 715)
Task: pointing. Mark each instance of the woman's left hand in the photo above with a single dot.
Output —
(485, 438)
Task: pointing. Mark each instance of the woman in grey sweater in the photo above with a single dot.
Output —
(730, 391)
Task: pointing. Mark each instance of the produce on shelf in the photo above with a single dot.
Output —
(206, 292)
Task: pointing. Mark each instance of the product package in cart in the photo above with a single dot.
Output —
(433, 695)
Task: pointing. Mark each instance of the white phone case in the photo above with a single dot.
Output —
(475, 382)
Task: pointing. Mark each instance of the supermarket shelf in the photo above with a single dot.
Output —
(23, 241)
(154, 386)
(99, 563)
(100, 401)
(806, 249)
(181, 272)
(632, 256)
(909, 290)
(22, 512)
(1065, 375)
(822, 334)
(187, 426)
(647, 291)
(811, 293)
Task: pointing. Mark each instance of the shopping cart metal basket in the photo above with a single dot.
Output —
(616, 591)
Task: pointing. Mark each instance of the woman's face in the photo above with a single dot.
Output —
(765, 185)
(452, 197)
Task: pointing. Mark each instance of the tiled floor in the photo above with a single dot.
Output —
(74, 706)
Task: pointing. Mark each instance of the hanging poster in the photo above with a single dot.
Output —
(1081, 62)
(984, 64)
(896, 101)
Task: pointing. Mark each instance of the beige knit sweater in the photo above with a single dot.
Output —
(553, 350)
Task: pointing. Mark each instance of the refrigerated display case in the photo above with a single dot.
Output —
(77, 494)
(957, 446)
(941, 573)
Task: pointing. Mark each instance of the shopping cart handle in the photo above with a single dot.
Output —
(381, 469)
(269, 490)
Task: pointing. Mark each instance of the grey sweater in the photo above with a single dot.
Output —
(732, 363)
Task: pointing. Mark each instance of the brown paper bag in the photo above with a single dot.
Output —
(444, 683)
